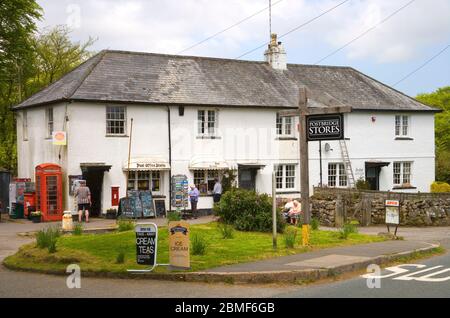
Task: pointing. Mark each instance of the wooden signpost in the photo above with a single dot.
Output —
(330, 106)
(392, 214)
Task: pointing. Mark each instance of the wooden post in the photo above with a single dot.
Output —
(274, 212)
(304, 166)
(129, 155)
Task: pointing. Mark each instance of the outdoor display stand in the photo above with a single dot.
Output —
(49, 191)
(392, 214)
(180, 190)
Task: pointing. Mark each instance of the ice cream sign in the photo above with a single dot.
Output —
(59, 138)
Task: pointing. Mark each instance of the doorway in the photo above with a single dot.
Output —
(247, 175)
(93, 174)
(373, 170)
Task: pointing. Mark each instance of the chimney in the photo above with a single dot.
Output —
(275, 54)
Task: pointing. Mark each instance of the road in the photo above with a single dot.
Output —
(27, 285)
(404, 284)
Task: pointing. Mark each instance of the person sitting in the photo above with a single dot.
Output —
(295, 212)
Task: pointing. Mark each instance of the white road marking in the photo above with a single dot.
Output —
(412, 275)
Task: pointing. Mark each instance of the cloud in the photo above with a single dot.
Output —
(169, 26)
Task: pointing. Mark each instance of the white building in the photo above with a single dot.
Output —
(197, 116)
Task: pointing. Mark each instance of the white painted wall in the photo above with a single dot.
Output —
(245, 135)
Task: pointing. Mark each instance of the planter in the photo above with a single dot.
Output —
(111, 214)
(36, 218)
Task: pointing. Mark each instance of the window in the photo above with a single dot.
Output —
(401, 125)
(336, 175)
(284, 126)
(207, 122)
(115, 120)
(204, 180)
(285, 177)
(144, 180)
(25, 125)
(402, 173)
(49, 120)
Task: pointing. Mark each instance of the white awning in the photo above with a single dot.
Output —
(147, 163)
(207, 163)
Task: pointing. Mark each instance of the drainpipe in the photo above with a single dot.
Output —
(170, 157)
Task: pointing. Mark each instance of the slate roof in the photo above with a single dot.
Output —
(120, 76)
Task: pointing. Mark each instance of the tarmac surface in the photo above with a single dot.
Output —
(22, 284)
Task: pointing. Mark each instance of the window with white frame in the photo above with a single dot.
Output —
(402, 173)
(144, 180)
(285, 177)
(336, 175)
(207, 122)
(25, 125)
(49, 120)
(284, 125)
(401, 125)
(204, 180)
(115, 120)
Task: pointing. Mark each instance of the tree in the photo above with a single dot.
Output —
(441, 99)
(48, 56)
(55, 56)
(17, 24)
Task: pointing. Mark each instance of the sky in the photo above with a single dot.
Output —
(385, 39)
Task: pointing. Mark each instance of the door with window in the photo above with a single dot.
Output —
(247, 178)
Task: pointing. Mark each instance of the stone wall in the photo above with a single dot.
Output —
(334, 206)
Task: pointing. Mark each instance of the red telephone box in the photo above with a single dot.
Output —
(114, 195)
(49, 191)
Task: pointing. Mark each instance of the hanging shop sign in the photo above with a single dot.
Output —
(59, 138)
(325, 127)
(179, 245)
(146, 243)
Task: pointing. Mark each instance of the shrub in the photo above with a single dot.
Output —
(46, 238)
(78, 229)
(290, 237)
(315, 224)
(199, 245)
(362, 184)
(174, 216)
(226, 230)
(248, 211)
(346, 230)
(125, 225)
(437, 187)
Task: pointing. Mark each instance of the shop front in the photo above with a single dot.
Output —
(149, 174)
(205, 170)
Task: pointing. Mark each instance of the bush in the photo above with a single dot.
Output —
(47, 238)
(362, 184)
(226, 230)
(290, 237)
(248, 211)
(125, 225)
(78, 229)
(347, 229)
(315, 224)
(199, 245)
(438, 187)
(173, 216)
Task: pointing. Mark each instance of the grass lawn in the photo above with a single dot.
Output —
(98, 252)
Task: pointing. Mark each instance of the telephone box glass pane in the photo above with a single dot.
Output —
(52, 204)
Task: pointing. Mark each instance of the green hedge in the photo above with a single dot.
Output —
(248, 211)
